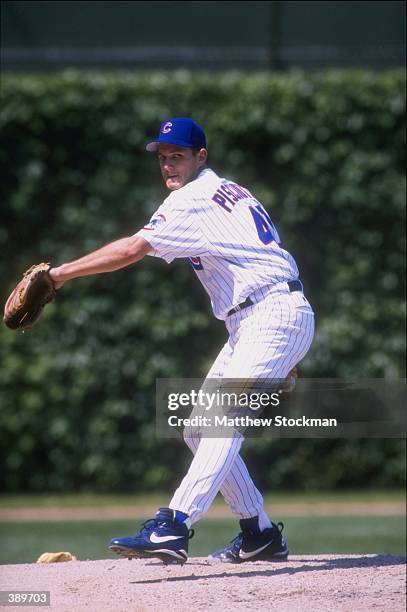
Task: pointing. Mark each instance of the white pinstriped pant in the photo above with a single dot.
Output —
(266, 341)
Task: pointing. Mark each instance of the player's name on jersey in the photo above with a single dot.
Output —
(247, 421)
(229, 194)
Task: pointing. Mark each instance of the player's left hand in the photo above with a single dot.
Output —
(25, 303)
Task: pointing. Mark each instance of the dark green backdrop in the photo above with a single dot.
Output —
(277, 34)
(323, 152)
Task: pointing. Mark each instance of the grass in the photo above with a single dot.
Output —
(157, 499)
(24, 542)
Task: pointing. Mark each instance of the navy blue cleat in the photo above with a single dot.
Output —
(254, 545)
(160, 537)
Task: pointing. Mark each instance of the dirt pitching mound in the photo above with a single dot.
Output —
(304, 583)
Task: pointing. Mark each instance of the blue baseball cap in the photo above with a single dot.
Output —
(180, 131)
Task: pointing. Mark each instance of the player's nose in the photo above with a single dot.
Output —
(168, 169)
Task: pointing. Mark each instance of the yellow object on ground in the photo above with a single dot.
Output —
(56, 557)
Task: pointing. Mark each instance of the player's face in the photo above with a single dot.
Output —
(180, 165)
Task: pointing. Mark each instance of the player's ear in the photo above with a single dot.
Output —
(202, 156)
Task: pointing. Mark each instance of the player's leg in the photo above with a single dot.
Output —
(166, 536)
(238, 489)
(212, 462)
(272, 349)
(241, 494)
(270, 338)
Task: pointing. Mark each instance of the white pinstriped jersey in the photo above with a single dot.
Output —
(227, 235)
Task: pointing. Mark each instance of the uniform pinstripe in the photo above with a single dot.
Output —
(236, 252)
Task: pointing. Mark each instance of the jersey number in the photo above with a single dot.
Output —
(264, 225)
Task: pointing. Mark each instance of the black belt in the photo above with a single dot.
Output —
(294, 285)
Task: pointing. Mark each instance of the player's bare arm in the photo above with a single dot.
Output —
(113, 256)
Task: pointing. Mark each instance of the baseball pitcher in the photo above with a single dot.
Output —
(254, 287)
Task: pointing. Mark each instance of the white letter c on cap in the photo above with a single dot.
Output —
(167, 127)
